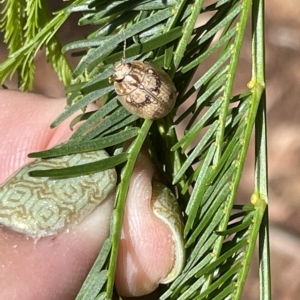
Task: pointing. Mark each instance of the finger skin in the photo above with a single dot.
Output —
(146, 252)
(25, 120)
(52, 267)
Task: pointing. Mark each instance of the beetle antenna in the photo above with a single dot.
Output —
(124, 49)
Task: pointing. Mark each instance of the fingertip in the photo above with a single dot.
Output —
(146, 253)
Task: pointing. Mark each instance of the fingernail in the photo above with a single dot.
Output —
(166, 208)
(41, 206)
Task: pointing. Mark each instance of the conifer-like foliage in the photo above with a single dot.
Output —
(203, 166)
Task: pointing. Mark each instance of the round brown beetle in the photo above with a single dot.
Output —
(144, 89)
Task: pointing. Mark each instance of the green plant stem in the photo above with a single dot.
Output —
(117, 216)
(259, 197)
(261, 167)
(249, 126)
(260, 206)
(236, 48)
